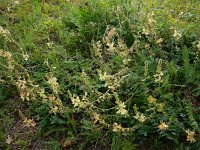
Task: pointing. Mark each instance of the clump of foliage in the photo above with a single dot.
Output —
(119, 74)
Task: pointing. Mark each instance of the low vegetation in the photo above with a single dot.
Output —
(100, 74)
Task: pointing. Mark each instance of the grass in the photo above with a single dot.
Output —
(117, 74)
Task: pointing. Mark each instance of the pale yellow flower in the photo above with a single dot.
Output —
(159, 74)
(190, 136)
(198, 46)
(98, 49)
(158, 77)
(96, 117)
(104, 77)
(111, 33)
(145, 31)
(9, 139)
(163, 126)
(4, 31)
(126, 61)
(121, 108)
(16, 2)
(137, 116)
(122, 111)
(8, 55)
(177, 34)
(160, 40)
(147, 46)
(111, 48)
(53, 109)
(52, 81)
(58, 102)
(117, 127)
(50, 44)
(151, 21)
(41, 93)
(75, 100)
(29, 122)
(140, 117)
(54, 84)
(151, 100)
(25, 56)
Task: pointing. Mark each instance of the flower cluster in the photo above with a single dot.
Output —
(198, 46)
(25, 56)
(190, 136)
(77, 102)
(52, 81)
(140, 117)
(177, 35)
(112, 81)
(121, 108)
(118, 128)
(163, 126)
(151, 100)
(29, 122)
(26, 89)
(13, 4)
(159, 74)
(8, 56)
(5, 33)
(153, 104)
